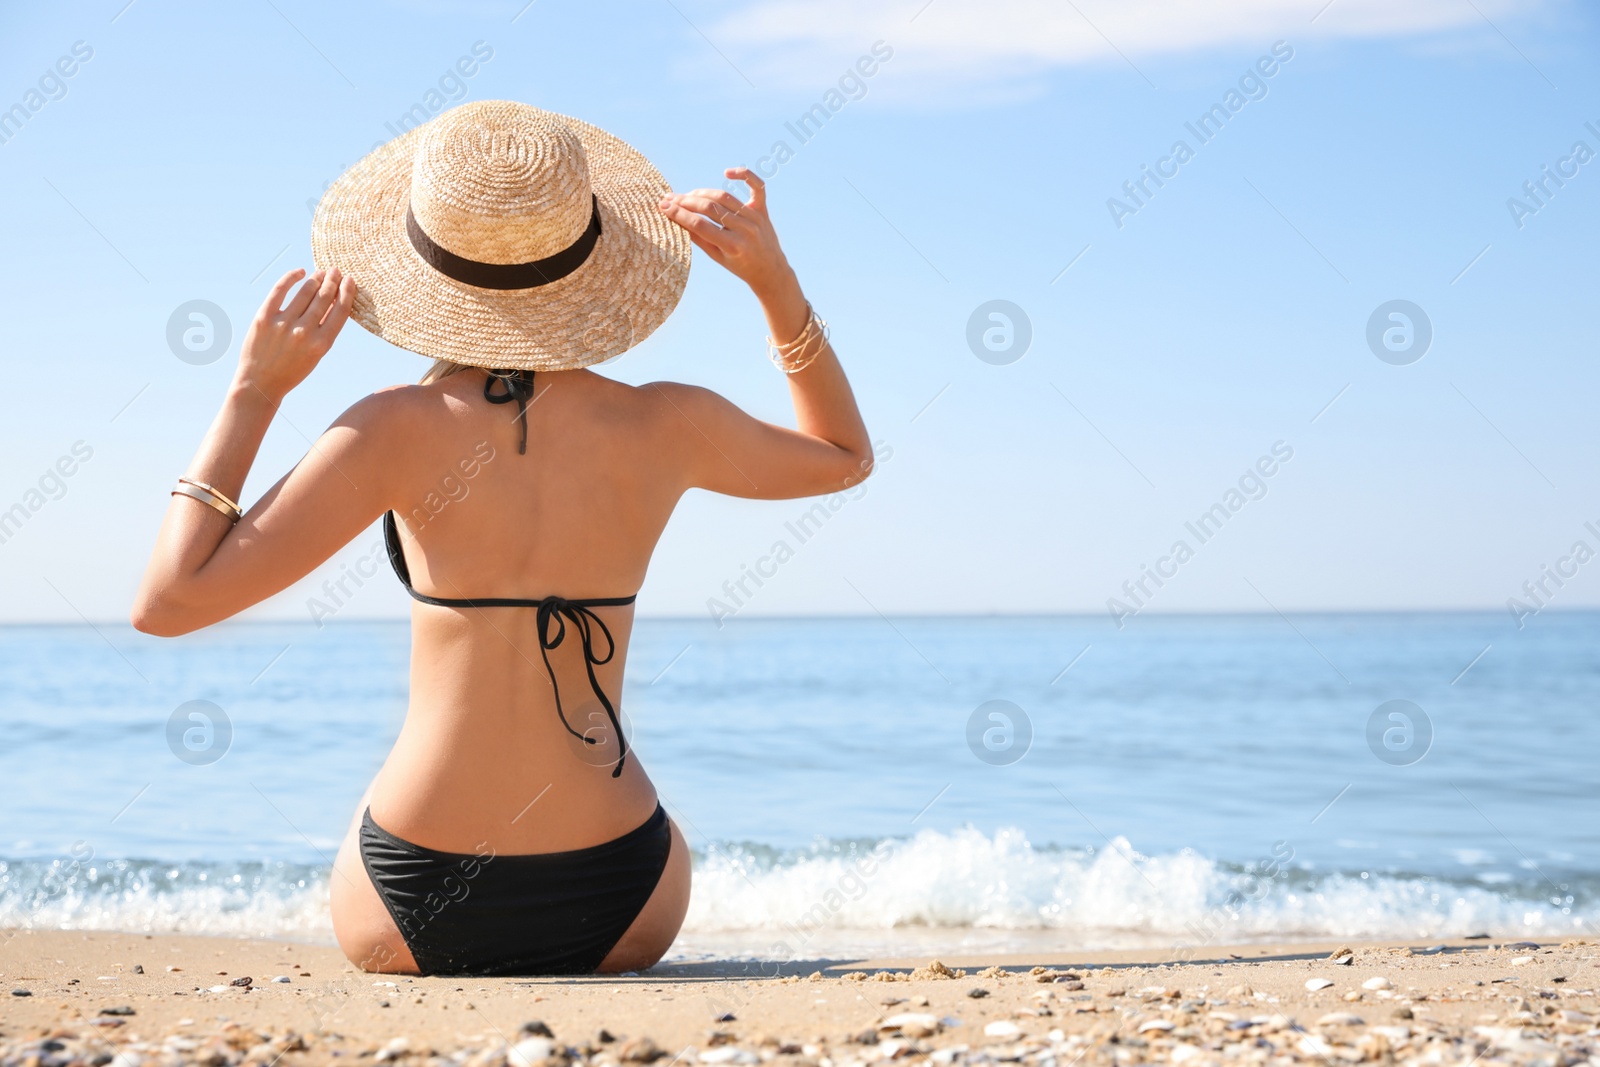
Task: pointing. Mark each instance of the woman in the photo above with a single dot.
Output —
(510, 831)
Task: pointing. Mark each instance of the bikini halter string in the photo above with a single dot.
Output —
(560, 611)
(519, 387)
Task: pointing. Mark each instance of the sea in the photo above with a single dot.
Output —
(874, 786)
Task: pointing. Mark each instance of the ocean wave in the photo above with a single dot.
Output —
(1110, 897)
(961, 887)
(145, 896)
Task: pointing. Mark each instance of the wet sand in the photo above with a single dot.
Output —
(128, 1000)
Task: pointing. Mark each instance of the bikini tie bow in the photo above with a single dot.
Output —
(558, 611)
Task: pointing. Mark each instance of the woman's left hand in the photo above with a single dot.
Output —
(737, 234)
(286, 341)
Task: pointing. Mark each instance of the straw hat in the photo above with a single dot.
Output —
(500, 235)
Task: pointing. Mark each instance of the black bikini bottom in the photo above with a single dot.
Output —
(481, 914)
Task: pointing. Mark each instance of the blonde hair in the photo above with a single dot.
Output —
(443, 368)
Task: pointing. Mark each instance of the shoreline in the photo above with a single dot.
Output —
(170, 999)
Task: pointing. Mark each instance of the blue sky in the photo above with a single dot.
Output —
(1226, 315)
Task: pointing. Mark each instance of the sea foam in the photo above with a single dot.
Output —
(961, 887)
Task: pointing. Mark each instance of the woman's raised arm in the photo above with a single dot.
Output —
(206, 567)
(732, 452)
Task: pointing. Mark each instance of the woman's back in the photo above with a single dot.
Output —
(484, 756)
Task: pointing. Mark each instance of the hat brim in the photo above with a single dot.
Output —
(626, 288)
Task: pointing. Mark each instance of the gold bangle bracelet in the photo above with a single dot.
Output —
(214, 491)
(195, 494)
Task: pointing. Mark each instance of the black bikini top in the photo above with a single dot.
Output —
(549, 611)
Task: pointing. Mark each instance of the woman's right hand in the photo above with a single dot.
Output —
(737, 234)
(286, 341)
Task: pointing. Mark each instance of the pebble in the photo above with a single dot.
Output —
(1315, 1045)
(1521, 960)
(725, 1054)
(138, 968)
(1002, 1028)
(22, 992)
(911, 1024)
(1148, 1024)
(639, 1050)
(397, 1047)
(536, 1028)
(121, 1009)
(1341, 1018)
(283, 978)
(725, 1017)
(1315, 984)
(977, 992)
(1377, 983)
(532, 1052)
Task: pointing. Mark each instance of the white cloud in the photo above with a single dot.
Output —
(945, 42)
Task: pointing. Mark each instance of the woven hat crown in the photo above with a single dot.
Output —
(500, 183)
(500, 235)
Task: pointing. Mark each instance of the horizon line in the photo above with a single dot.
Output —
(836, 617)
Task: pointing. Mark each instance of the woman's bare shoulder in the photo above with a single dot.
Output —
(680, 400)
(404, 405)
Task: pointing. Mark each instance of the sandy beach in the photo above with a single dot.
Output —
(129, 1000)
